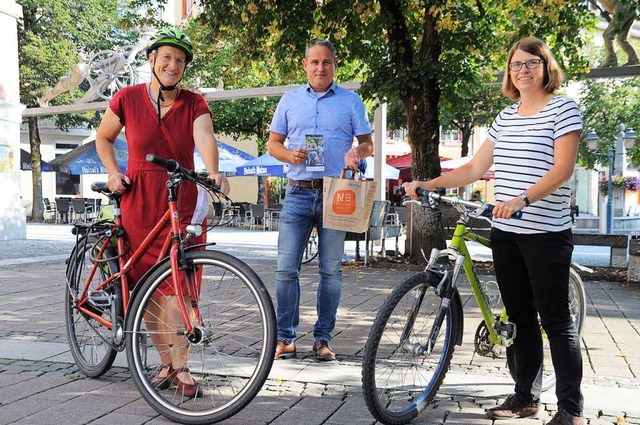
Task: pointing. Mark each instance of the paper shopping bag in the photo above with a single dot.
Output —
(347, 204)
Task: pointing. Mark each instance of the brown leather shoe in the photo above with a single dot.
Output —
(285, 351)
(565, 418)
(324, 353)
(512, 408)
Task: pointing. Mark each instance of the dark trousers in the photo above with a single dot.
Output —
(532, 271)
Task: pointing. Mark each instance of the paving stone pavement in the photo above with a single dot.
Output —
(39, 384)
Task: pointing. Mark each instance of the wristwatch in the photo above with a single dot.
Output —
(524, 197)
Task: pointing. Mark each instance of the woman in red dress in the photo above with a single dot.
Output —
(165, 120)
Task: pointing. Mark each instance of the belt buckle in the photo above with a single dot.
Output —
(316, 184)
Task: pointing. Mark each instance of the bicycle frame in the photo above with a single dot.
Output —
(172, 245)
(458, 248)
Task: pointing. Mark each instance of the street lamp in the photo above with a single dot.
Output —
(627, 140)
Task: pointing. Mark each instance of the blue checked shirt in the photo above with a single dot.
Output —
(338, 116)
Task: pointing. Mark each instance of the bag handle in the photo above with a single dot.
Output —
(344, 172)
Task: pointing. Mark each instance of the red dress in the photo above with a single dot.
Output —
(145, 201)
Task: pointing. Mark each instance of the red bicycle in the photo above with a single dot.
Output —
(198, 356)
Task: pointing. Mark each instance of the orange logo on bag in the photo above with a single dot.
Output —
(344, 202)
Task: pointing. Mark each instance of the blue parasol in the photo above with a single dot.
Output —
(263, 166)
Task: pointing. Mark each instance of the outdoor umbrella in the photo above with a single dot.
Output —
(229, 159)
(452, 164)
(263, 166)
(389, 172)
(26, 162)
(84, 159)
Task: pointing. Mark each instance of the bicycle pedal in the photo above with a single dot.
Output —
(506, 330)
(100, 299)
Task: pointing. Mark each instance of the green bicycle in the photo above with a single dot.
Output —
(412, 340)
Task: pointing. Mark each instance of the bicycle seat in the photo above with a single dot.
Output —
(101, 187)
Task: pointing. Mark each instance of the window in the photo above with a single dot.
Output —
(66, 184)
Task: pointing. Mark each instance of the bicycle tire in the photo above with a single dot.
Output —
(311, 249)
(578, 308)
(386, 365)
(232, 360)
(91, 343)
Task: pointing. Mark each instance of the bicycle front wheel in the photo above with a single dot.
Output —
(229, 356)
(399, 378)
(578, 311)
(91, 342)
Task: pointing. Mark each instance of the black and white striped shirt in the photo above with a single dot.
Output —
(523, 153)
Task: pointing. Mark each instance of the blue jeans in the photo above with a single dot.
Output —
(301, 211)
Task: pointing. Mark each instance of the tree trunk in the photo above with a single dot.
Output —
(37, 210)
(465, 130)
(424, 138)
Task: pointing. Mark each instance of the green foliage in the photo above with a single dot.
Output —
(50, 36)
(605, 104)
(405, 48)
(430, 55)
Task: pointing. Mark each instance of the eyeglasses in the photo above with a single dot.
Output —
(530, 64)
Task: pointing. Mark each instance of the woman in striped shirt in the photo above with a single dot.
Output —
(533, 145)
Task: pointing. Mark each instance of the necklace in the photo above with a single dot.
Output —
(161, 105)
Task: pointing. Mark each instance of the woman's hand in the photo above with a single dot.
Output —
(222, 182)
(413, 186)
(509, 208)
(118, 182)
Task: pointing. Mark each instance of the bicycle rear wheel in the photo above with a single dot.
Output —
(90, 341)
(229, 357)
(578, 311)
(399, 380)
(311, 250)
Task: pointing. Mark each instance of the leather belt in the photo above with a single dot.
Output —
(310, 184)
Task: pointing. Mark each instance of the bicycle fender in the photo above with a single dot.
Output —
(457, 314)
(144, 277)
(581, 268)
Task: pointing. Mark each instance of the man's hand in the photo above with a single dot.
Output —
(298, 156)
(352, 159)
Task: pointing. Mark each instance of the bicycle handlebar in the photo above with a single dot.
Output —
(169, 164)
(438, 195)
(172, 167)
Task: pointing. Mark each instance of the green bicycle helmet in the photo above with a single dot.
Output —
(174, 38)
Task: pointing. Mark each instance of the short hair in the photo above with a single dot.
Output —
(323, 43)
(553, 74)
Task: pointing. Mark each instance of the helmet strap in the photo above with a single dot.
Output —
(162, 88)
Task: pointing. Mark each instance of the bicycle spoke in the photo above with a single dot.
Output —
(91, 342)
(398, 381)
(231, 352)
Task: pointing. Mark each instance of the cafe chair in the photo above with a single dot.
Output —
(49, 211)
(79, 209)
(62, 210)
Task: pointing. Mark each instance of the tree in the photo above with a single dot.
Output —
(51, 34)
(605, 104)
(411, 50)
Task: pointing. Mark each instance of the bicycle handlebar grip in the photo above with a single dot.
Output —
(489, 209)
(168, 164)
